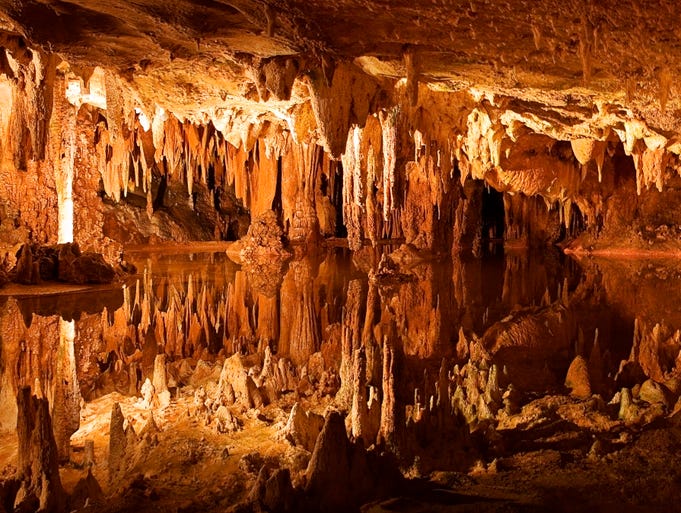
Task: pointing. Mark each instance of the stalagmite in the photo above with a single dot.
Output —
(117, 444)
(578, 378)
(66, 403)
(359, 410)
(412, 72)
(37, 465)
(160, 381)
(389, 146)
(303, 427)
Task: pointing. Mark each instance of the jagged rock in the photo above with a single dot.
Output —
(328, 473)
(202, 374)
(150, 430)
(342, 474)
(251, 463)
(26, 271)
(628, 411)
(235, 376)
(86, 268)
(265, 237)
(629, 374)
(577, 379)
(225, 422)
(303, 428)
(274, 491)
(37, 468)
(653, 393)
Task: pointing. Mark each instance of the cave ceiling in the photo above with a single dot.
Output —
(564, 59)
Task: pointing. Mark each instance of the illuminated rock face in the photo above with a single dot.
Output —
(381, 132)
(424, 137)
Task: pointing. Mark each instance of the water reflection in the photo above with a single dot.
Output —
(533, 310)
(411, 350)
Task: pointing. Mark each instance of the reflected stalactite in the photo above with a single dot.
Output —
(38, 462)
(301, 338)
(65, 403)
(411, 353)
(350, 340)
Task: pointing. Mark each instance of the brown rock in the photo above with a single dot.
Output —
(37, 467)
(117, 443)
(85, 268)
(577, 379)
(160, 380)
(303, 428)
(653, 393)
(87, 491)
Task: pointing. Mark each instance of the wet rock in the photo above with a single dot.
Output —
(577, 379)
(303, 428)
(88, 267)
(37, 468)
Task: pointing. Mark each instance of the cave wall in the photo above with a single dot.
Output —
(348, 155)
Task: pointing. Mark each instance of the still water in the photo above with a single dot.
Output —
(521, 317)
(199, 305)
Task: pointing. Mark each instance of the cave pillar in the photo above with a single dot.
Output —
(62, 135)
(66, 402)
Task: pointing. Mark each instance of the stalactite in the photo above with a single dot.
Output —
(347, 101)
(352, 188)
(62, 154)
(651, 166)
(389, 145)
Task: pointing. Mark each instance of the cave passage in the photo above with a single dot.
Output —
(291, 256)
(493, 217)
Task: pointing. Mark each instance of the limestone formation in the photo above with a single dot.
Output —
(578, 380)
(303, 427)
(38, 460)
(408, 215)
(160, 381)
(117, 444)
(234, 376)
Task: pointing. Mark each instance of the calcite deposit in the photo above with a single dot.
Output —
(332, 255)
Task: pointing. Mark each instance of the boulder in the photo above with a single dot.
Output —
(303, 428)
(88, 267)
(653, 393)
(235, 382)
